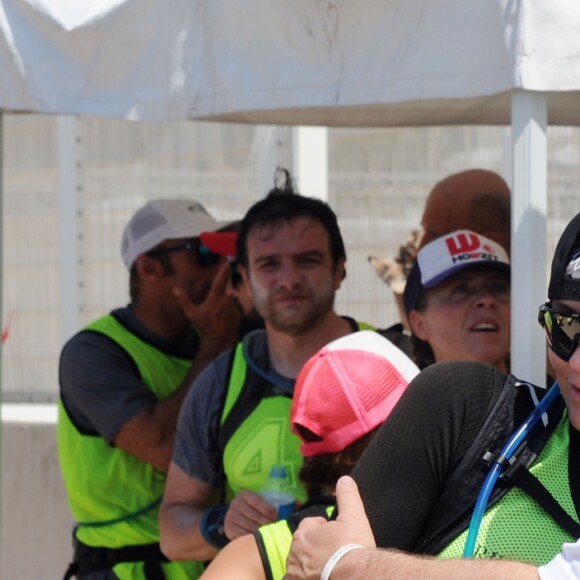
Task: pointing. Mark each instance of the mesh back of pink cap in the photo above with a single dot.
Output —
(349, 388)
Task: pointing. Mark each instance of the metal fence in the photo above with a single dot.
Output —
(378, 180)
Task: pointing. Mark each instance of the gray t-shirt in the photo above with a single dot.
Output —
(196, 450)
(100, 384)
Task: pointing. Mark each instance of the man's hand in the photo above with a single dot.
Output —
(316, 539)
(217, 318)
(247, 512)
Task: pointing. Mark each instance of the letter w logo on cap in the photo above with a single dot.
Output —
(462, 243)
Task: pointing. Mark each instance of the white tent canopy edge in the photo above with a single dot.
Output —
(307, 62)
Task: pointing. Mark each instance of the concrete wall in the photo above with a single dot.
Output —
(35, 523)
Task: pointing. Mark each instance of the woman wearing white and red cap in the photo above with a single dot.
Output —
(343, 394)
(457, 299)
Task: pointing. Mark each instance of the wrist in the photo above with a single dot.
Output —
(335, 558)
(212, 526)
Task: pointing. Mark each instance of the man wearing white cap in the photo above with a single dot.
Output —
(122, 381)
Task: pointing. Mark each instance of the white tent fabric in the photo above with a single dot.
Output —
(321, 62)
(318, 62)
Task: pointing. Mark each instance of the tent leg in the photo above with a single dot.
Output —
(2, 245)
(529, 232)
(310, 160)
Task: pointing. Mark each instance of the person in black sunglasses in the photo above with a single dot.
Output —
(122, 381)
(420, 478)
(560, 317)
(235, 423)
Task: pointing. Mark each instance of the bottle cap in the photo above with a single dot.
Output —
(278, 471)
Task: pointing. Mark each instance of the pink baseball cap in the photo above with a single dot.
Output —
(347, 389)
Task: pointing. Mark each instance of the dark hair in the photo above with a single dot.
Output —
(284, 204)
(423, 355)
(320, 473)
(422, 352)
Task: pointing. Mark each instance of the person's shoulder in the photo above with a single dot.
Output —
(356, 325)
(91, 348)
(223, 360)
(86, 338)
(456, 384)
(212, 381)
(397, 335)
(256, 342)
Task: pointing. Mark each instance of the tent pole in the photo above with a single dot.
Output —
(529, 231)
(2, 245)
(265, 150)
(310, 161)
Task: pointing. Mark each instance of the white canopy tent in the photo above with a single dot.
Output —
(318, 62)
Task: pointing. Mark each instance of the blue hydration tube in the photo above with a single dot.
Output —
(497, 467)
(286, 385)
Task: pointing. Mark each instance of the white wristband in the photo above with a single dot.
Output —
(335, 559)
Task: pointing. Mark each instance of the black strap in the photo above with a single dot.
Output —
(528, 483)
(89, 559)
(71, 571)
(255, 389)
(314, 507)
(212, 526)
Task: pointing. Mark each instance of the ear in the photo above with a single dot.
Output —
(340, 273)
(149, 268)
(418, 323)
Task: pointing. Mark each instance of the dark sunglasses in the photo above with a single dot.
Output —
(235, 276)
(203, 255)
(562, 330)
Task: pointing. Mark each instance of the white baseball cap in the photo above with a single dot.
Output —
(164, 219)
(448, 255)
(453, 252)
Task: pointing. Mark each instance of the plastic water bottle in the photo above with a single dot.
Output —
(277, 491)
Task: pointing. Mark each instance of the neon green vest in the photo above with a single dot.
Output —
(263, 439)
(114, 496)
(516, 527)
(275, 540)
